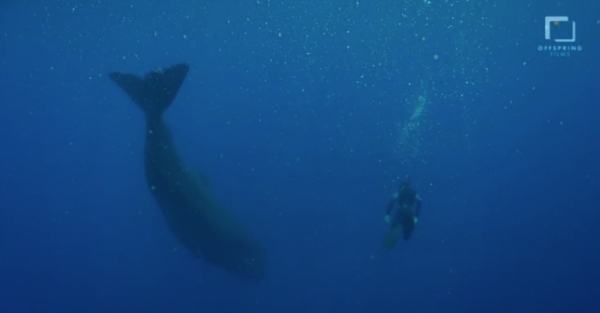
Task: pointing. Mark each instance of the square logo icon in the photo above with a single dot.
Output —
(554, 21)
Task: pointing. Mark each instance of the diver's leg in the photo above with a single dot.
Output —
(392, 236)
(397, 221)
(408, 223)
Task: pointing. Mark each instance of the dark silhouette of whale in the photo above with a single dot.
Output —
(192, 212)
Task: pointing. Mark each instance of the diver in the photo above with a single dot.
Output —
(405, 217)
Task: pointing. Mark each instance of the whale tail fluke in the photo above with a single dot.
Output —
(155, 92)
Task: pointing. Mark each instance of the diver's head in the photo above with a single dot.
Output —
(404, 186)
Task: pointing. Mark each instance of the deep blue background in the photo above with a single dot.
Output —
(304, 115)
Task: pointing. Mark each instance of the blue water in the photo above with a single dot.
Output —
(305, 115)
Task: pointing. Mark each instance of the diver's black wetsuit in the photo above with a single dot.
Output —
(406, 199)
